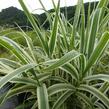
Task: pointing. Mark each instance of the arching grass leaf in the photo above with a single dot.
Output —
(96, 93)
(42, 96)
(62, 99)
(63, 60)
(20, 70)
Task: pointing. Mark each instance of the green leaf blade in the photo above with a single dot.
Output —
(42, 96)
(97, 52)
(63, 60)
(96, 93)
(20, 70)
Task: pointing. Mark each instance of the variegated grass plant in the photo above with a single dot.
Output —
(59, 74)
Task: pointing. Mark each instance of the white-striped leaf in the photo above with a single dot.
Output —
(42, 97)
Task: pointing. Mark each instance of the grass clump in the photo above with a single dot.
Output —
(61, 69)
